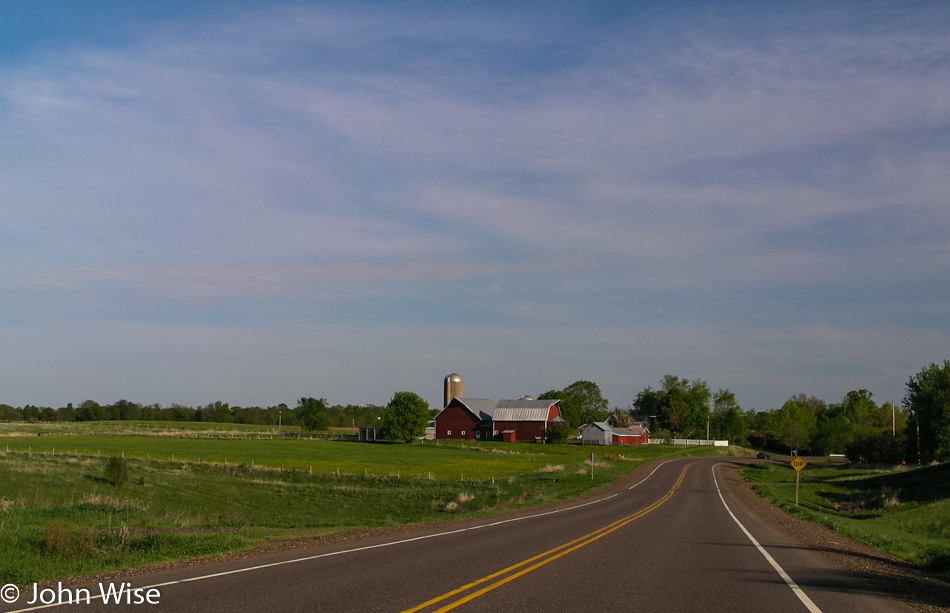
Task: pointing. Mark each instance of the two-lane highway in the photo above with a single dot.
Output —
(672, 540)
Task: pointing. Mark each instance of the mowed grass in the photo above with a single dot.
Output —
(194, 497)
(904, 513)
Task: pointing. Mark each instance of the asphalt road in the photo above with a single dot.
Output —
(674, 539)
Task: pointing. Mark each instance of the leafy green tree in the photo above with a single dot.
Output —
(90, 410)
(406, 417)
(311, 414)
(219, 412)
(794, 424)
(730, 425)
(680, 405)
(928, 400)
(581, 402)
(648, 403)
(833, 434)
(123, 410)
(727, 420)
(697, 389)
(66, 413)
(8, 413)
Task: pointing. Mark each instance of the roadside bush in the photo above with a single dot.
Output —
(116, 471)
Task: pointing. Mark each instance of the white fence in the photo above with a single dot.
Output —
(689, 442)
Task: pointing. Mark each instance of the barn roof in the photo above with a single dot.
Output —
(631, 431)
(491, 409)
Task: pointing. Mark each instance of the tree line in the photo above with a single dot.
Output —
(918, 431)
(308, 411)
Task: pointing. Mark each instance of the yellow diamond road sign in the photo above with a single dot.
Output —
(798, 463)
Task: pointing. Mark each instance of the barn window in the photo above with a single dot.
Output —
(463, 432)
(448, 433)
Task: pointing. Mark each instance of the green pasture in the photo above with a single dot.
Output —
(142, 428)
(431, 459)
(905, 513)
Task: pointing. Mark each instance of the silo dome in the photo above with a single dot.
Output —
(452, 388)
(527, 398)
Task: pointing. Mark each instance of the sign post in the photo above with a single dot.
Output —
(798, 464)
(592, 458)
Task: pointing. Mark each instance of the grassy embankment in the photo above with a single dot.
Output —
(191, 497)
(904, 513)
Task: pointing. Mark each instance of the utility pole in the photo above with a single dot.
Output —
(917, 415)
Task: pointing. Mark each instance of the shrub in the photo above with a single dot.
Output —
(116, 471)
(557, 432)
(62, 540)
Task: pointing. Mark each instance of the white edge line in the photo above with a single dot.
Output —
(811, 606)
(358, 549)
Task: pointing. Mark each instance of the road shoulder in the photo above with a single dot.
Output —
(916, 589)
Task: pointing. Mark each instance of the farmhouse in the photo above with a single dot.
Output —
(602, 433)
(483, 419)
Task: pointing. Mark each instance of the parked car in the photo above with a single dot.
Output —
(763, 455)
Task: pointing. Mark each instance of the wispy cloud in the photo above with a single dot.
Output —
(524, 170)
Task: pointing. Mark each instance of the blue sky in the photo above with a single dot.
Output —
(253, 202)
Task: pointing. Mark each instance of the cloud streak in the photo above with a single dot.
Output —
(521, 171)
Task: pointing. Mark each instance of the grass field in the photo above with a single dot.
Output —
(188, 497)
(143, 428)
(904, 513)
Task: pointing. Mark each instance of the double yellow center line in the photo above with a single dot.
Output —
(508, 574)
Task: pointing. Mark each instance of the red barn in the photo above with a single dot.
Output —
(483, 419)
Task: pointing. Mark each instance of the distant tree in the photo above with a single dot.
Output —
(123, 410)
(727, 420)
(312, 414)
(730, 425)
(8, 413)
(66, 413)
(680, 405)
(794, 424)
(581, 402)
(928, 401)
(833, 434)
(648, 402)
(622, 418)
(219, 412)
(406, 417)
(697, 389)
(90, 410)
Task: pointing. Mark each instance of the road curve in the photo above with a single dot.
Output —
(674, 540)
